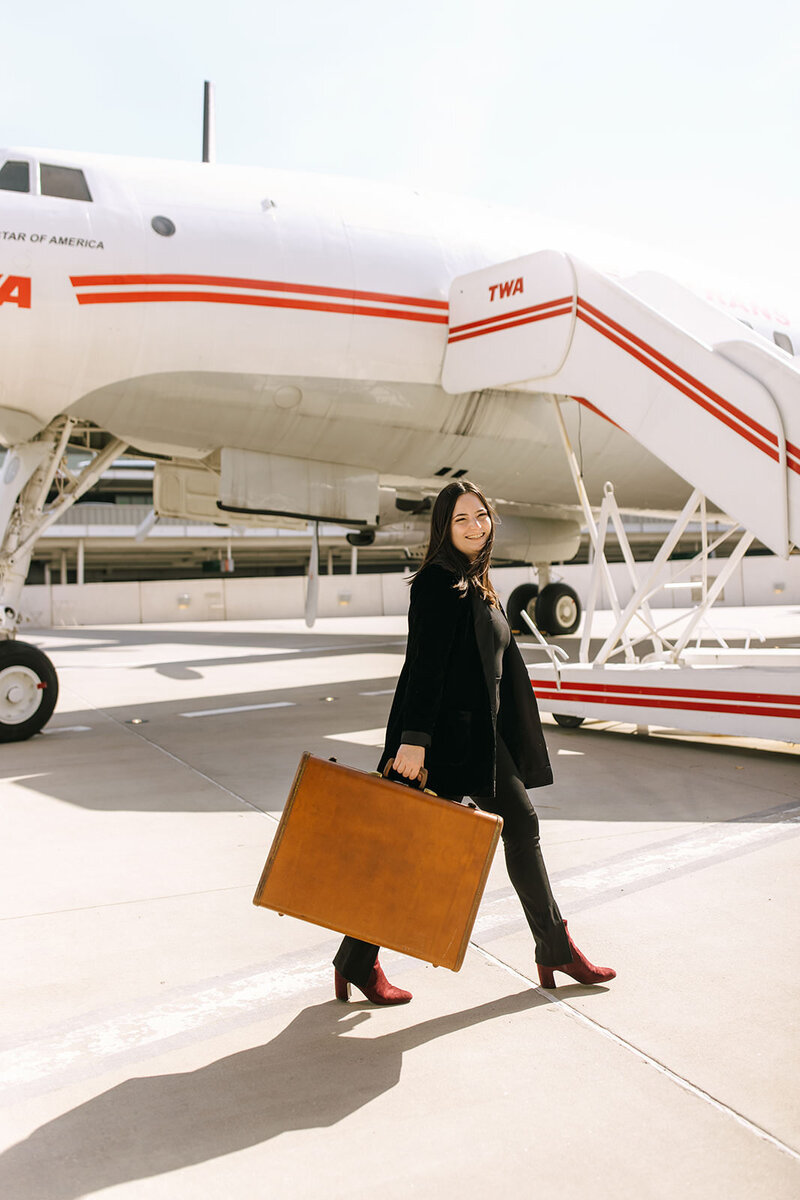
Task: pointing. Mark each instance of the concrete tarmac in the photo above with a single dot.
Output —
(163, 1038)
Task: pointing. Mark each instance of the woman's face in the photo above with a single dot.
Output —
(470, 525)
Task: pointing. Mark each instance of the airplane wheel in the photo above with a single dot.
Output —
(567, 721)
(523, 598)
(28, 690)
(558, 610)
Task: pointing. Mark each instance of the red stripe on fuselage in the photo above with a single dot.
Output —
(267, 285)
(258, 301)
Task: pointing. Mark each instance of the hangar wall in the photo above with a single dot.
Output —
(760, 580)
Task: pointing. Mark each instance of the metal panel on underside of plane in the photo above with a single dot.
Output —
(273, 483)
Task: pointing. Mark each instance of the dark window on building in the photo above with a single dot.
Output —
(67, 182)
(784, 341)
(15, 177)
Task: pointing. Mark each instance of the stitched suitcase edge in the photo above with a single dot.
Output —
(278, 838)
(479, 890)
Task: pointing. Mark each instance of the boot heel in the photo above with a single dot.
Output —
(546, 979)
(579, 968)
(342, 986)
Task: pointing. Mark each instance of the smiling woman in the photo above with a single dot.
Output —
(470, 525)
(464, 709)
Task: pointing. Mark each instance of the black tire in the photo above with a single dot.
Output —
(567, 721)
(522, 598)
(558, 610)
(28, 690)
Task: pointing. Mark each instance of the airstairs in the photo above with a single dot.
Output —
(717, 404)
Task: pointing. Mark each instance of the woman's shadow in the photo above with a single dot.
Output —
(310, 1075)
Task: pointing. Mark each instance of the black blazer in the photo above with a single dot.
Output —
(446, 694)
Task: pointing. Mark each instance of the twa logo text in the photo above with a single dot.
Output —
(15, 289)
(503, 290)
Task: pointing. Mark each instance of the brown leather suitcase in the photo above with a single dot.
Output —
(382, 862)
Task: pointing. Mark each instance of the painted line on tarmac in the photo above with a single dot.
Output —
(90, 1049)
(94, 1043)
(360, 737)
(575, 1015)
(67, 729)
(664, 862)
(682, 855)
(218, 712)
(138, 732)
(82, 1049)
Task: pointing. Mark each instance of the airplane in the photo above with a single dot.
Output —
(294, 347)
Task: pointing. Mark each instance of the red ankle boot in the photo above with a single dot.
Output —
(580, 969)
(377, 989)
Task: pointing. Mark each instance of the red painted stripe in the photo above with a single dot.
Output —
(512, 324)
(517, 312)
(670, 376)
(698, 693)
(792, 451)
(588, 404)
(259, 301)
(749, 711)
(732, 416)
(268, 285)
(690, 379)
(700, 400)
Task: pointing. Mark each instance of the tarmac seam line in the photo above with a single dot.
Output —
(195, 771)
(214, 782)
(680, 1081)
(58, 912)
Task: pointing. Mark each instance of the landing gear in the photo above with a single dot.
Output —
(28, 690)
(554, 609)
(567, 721)
(558, 610)
(28, 683)
(522, 599)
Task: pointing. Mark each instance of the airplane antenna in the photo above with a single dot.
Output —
(209, 124)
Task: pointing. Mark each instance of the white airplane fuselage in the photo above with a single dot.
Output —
(300, 316)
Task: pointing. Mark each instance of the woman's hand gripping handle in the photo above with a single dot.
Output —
(409, 761)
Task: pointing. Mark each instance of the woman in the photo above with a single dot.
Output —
(464, 708)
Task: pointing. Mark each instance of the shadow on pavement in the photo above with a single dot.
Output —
(311, 1075)
(599, 773)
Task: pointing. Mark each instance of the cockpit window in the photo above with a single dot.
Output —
(67, 182)
(15, 177)
(783, 340)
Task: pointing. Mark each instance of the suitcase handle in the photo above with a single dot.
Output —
(419, 782)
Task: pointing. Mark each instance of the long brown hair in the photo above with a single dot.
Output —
(441, 550)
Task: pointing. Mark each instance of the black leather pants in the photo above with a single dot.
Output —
(526, 870)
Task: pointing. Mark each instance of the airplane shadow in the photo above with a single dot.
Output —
(311, 1075)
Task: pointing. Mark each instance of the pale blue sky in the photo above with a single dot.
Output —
(674, 122)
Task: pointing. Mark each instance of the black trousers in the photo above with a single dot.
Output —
(526, 870)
